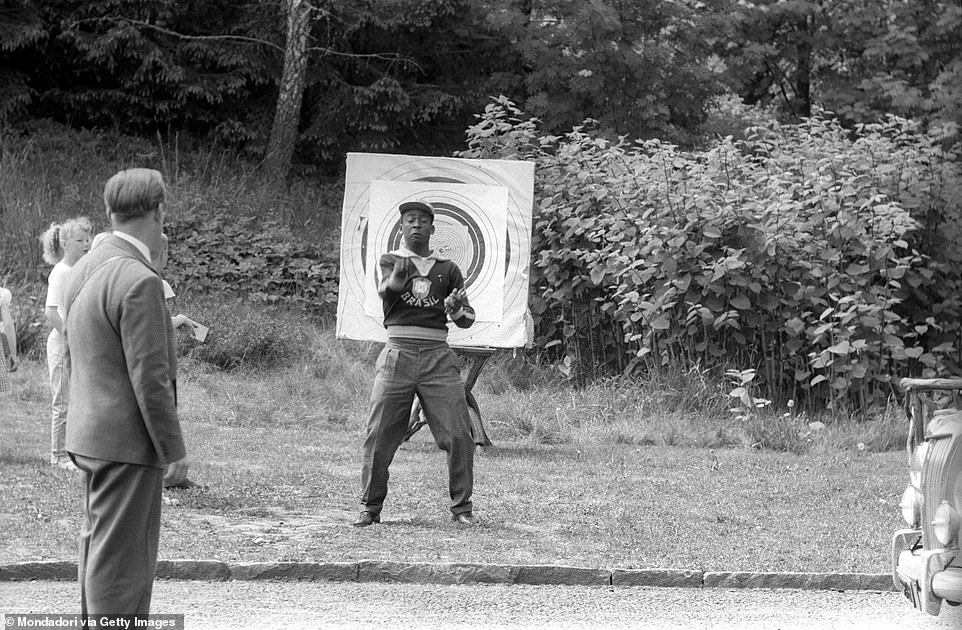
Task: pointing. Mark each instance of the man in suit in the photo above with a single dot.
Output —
(122, 427)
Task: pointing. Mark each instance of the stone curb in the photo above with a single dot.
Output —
(807, 581)
(467, 573)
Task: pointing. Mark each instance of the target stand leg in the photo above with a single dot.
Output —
(417, 419)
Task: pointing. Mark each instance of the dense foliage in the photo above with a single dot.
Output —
(407, 75)
(258, 259)
(827, 261)
(862, 59)
(640, 67)
(141, 66)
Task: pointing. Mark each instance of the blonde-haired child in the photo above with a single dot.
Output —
(63, 245)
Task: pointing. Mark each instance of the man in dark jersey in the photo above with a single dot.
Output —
(419, 291)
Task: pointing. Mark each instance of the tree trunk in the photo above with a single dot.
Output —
(526, 7)
(284, 131)
(802, 81)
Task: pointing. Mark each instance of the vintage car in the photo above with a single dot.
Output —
(926, 562)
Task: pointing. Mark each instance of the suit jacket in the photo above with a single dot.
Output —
(122, 359)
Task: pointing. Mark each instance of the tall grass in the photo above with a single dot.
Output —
(667, 408)
(49, 173)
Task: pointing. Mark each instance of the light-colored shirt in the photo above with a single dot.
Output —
(56, 283)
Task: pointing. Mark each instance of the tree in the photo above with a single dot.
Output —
(908, 61)
(143, 66)
(639, 67)
(767, 46)
(373, 75)
(280, 147)
(20, 30)
(400, 75)
(861, 59)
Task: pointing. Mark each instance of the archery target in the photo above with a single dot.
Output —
(463, 232)
(482, 223)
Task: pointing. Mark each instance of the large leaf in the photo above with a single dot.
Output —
(741, 302)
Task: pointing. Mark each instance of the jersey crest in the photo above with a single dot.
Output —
(420, 287)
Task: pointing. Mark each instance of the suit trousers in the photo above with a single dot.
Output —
(432, 371)
(118, 543)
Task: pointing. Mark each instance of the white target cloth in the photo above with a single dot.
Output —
(482, 222)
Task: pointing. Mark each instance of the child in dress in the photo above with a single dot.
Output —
(63, 245)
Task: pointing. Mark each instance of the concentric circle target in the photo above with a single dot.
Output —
(464, 231)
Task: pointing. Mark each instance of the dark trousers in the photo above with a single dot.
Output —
(118, 542)
(432, 371)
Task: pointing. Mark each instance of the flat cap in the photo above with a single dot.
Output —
(408, 206)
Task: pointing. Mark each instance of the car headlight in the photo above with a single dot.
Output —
(911, 504)
(946, 524)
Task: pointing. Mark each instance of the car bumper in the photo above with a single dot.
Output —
(924, 575)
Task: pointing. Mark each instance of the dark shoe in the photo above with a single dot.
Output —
(367, 518)
(465, 518)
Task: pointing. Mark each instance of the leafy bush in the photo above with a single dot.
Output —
(257, 258)
(825, 258)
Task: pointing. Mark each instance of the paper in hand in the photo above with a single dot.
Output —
(199, 332)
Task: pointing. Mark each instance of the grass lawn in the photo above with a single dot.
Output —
(279, 453)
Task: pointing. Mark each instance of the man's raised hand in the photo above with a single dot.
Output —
(399, 274)
(454, 302)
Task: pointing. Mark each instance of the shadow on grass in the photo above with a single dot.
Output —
(524, 451)
(414, 522)
(14, 459)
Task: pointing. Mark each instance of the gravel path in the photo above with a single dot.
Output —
(308, 605)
